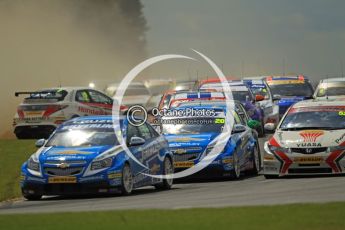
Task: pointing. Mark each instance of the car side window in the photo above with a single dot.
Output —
(237, 119)
(99, 98)
(144, 131)
(132, 131)
(82, 96)
(242, 113)
(153, 131)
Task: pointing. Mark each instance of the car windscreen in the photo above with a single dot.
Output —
(315, 118)
(56, 94)
(260, 90)
(83, 138)
(331, 89)
(241, 96)
(303, 89)
(193, 125)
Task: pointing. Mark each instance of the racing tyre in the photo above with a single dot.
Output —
(127, 180)
(271, 176)
(261, 129)
(236, 171)
(32, 196)
(256, 161)
(168, 168)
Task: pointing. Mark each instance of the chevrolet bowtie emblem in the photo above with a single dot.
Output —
(63, 165)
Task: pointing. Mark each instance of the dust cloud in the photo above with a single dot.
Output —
(47, 43)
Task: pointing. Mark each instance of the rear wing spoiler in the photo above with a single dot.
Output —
(23, 93)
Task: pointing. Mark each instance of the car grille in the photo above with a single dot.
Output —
(63, 172)
(186, 157)
(70, 162)
(308, 150)
(310, 170)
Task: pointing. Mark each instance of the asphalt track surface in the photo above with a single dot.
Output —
(192, 194)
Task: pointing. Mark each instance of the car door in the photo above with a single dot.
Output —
(243, 144)
(150, 153)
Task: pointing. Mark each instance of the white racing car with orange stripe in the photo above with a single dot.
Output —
(310, 139)
(42, 111)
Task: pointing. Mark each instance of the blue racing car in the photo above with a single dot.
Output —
(192, 138)
(289, 90)
(83, 156)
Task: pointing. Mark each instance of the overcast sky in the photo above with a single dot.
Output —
(251, 37)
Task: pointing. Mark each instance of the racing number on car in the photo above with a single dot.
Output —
(219, 121)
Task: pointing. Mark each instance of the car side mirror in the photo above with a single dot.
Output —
(39, 143)
(253, 124)
(238, 128)
(259, 97)
(270, 127)
(276, 97)
(135, 141)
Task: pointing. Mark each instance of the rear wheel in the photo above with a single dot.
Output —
(168, 169)
(236, 171)
(127, 180)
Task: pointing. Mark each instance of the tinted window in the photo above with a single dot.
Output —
(81, 138)
(144, 131)
(302, 88)
(132, 131)
(82, 96)
(315, 118)
(153, 131)
(242, 114)
(99, 98)
(331, 89)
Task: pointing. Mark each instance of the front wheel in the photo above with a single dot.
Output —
(32, 196)
(168, 169)
(271, 176)
(127, 180)
(256, 161)
(261, 129)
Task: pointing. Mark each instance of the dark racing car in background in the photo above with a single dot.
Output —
(83, 156)
(289, 90)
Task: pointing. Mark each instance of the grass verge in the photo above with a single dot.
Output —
(297, 216)
(12, 155)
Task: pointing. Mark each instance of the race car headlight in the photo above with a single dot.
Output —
(101, 164)
(210, 147)
(270, 149)
(33, 165)
(336, 148)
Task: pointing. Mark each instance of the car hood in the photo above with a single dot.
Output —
(194, 142)
(77, 153)
(310, 138)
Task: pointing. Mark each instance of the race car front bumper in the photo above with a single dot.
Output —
(107, 181)
(281, 163)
